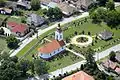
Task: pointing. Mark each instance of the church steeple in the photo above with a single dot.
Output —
(58, 33)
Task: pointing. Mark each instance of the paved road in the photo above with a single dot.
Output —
(97, 56)
(40, 32)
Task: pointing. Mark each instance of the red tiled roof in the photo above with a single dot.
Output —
(50, 47)
(15, 27)
(117, 70)
(79, 76)
(109, 64)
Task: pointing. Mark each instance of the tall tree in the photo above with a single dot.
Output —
(102, 2)
(12, 42)
(24, 66)
(35, 4)
(110, 5)
(40, 67)
(54, 13)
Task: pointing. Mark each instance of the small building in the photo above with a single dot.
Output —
(81, 75)
(5, 11)
(34, 19)
(66, 9)
(24, 4)
(105, 35)
(109, 64)
(19, 30)
(53, 48)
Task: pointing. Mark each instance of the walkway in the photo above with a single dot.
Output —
(40, 32)
(78, 54)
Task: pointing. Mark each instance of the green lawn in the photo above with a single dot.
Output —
(59, 61)
(3, 45)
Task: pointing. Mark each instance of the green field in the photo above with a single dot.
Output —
(3, 45)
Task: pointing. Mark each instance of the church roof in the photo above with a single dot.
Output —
(52, 46)
(79, 76)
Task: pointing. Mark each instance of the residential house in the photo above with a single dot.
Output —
(66, 9)
(24, 4)
(111, 65)
(53, 48)
(5, 11)
(18, 29)
(34, 19)
(81, 75)
(105, 35)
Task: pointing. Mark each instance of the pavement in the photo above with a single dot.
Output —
(40, 32)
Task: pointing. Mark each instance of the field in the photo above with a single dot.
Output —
(3, 45)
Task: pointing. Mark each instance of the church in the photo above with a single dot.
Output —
(53, 48)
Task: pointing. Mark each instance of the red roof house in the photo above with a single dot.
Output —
(79, 76)
(51, 49)
(18, 29)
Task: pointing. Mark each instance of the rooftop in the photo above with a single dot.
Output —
(52, 46)
(79, 76)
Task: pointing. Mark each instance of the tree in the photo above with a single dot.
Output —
(35, 4)
(2, 3)
(14, 59)
(54, 13)
(113, 18)
(102, 2)
(23, 19)
(112, 56)
(12, 42)
(2, 31)
(40, 67)
(24, 66)
(96, 18)
(110, 5)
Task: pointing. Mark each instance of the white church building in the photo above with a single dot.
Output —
(53, 48)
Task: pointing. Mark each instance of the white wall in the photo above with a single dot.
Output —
(47, 55)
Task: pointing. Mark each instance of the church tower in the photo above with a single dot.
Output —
(58, 33)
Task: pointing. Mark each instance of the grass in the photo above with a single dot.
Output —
(3, 45)
(58, 62)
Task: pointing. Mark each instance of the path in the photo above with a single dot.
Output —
(78, 54)
(40, 32)
(77, 65)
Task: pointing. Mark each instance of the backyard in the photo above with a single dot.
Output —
(3, 45)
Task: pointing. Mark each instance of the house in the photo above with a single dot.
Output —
(105, 35)
(34, 19)
(66, 9)
(53, 48)
(5, 11)
(18, 29)
(24, 4)
(81, 75)
(80, 4)
(109, 64)
(52, 5)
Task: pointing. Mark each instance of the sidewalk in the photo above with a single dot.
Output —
(40, 32)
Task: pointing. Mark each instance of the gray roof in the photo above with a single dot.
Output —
(35, 20)
(118, 56)
(105, 35)
(24, 3)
